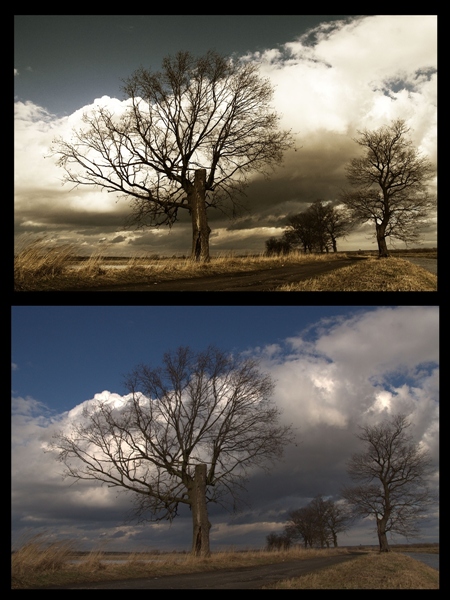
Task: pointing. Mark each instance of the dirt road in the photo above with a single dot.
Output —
(250, 578)
(251, 281)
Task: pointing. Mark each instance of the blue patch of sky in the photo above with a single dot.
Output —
(392, 380)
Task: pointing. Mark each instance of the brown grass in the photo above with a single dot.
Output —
(41, 563)
(40, 261)
(370, 275)
(373, 571)
(41, 266)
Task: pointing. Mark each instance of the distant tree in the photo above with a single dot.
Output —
(391, 181)
(300, 232)
(318, 523)
(392, 471)
(187, 433)
(338, 223)
(301, 525)
(277, 246)
(275, 541)
(337, 519)
(187, 141)
(318, 227)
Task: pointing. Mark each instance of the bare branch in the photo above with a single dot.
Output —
(207, 408)
(392, 473)
(391, 184)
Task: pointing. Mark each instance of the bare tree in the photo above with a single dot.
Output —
(190, 137)
(318, 227)
(392, 472)
(337, 519)
(275, 541)
(300, 231)
(187, 433)
(277, 246)
(301, 525)
(318, 522)
(338, 223)
(391, 181)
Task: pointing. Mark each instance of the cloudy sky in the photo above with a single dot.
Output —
(335, 368)
(333, 75)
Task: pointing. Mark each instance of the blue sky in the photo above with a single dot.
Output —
(331, 78)
(53, 344)
(334, 367)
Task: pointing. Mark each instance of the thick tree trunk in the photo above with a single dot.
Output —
(381, 240)
(200, 228)
(201, 524)
(382, 537)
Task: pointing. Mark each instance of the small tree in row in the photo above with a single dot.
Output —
(277, 246)
(278, 541)
(318, 523)
(316, 229)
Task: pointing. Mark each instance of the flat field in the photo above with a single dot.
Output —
(42, 267)
(40, 563)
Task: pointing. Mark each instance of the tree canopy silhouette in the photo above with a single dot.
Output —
(187, 140)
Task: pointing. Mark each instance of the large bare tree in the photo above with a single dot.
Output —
(190, 136)
(392, 472)
(187, 433)
(391, 184)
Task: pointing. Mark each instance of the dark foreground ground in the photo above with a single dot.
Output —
(250, 578)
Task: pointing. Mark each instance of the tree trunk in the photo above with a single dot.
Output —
(382, 538)
(201, 524)
(381, 239)
(200, 228)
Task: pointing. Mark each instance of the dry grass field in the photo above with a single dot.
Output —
(41, 266)
(39, 562)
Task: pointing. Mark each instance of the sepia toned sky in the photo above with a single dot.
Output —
(332, 75)
(335, 368)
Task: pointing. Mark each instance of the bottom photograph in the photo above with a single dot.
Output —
(225, 447)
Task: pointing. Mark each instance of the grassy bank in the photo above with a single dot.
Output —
(372, 571)
(370, 275)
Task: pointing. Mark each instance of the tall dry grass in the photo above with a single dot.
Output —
(39, 555)
(38, 259)
(42, 562)
(41, 265)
